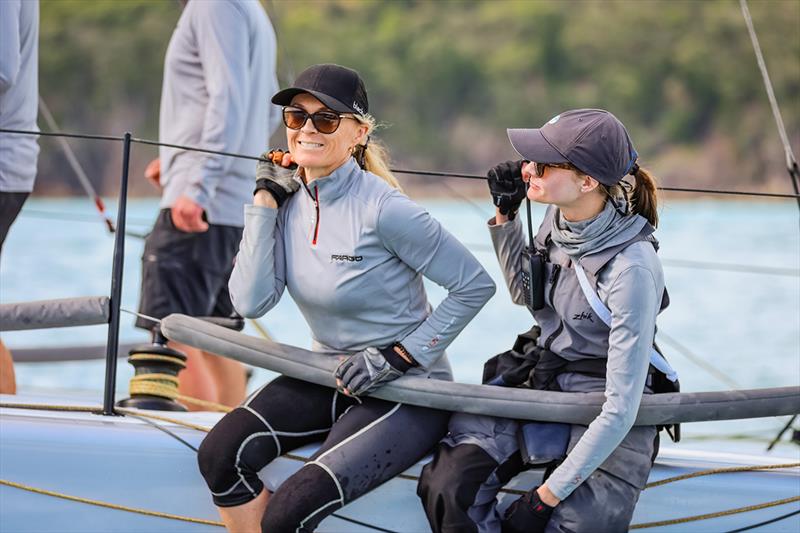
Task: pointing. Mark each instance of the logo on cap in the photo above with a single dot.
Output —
(554, 119)
(358, 108)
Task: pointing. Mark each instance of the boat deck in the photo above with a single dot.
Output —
(150, 464)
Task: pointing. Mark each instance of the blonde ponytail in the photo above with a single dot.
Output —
(373, 155)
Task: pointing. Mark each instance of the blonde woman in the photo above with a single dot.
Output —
(351, 249)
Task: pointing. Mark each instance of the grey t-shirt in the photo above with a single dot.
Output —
(352, 251)
(19, 93)
(219, 74)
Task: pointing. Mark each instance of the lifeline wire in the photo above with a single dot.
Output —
(398, 171)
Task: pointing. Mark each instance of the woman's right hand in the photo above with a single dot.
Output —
(275, 178)
(507, 188)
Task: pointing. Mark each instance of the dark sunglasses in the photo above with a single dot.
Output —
(539, 168)
(324, 121)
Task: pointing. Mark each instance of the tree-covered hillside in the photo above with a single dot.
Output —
(447, 77)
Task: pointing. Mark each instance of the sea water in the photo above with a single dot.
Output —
(743, 324)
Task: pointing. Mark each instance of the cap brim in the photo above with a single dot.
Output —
(285, 96)
(531, 145)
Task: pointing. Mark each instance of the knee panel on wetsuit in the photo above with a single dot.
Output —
(231, 456)
(302, 502)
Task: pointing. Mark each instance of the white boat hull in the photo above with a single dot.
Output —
(129, 462)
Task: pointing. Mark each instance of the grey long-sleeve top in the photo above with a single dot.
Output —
(19, 93)
(352, 251)
(631, 286)
(219, 73)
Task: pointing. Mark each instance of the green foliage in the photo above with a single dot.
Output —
(449, 76)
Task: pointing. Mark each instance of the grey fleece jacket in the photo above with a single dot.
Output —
(19, 93)
(631, 285)
(219, 73)
(352, 251)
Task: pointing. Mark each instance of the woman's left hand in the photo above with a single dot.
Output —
(367, 370)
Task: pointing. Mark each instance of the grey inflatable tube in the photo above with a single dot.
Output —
(85, 311)
(525, 404)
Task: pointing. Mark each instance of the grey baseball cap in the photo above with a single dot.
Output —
(593, 140)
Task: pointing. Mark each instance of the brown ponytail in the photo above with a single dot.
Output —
(642, 199)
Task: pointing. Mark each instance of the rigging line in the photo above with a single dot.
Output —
(476, 247)
(718, 514)
(62, 134)
(699, 361)
(732, 267)
(781, 432)
(734, 193)
(76, 167)
(165, 430)
(195, 149)
(74, 217)
(77, 217)
(398, 171)
(722, 470)
(764, 523)
(791, 162)
(683, 263)
(472, 203)
(140, 315)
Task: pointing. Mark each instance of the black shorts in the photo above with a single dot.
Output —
(10, 206)
(186, 272)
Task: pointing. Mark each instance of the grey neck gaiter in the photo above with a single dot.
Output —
(608, 228)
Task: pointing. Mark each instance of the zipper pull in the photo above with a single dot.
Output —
(554, 273)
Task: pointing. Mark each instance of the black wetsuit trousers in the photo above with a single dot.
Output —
(366, 442)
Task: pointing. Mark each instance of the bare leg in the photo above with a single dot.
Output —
(245, 518)
(196, 380)
(230, 378)
(8, 382)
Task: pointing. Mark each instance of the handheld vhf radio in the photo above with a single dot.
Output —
(533, 274)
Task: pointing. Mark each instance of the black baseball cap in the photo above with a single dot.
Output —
(340, 88)
(593, 140)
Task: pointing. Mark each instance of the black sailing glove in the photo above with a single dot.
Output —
(275, 178)
(528, 514)
(367, 370)
(507, 188)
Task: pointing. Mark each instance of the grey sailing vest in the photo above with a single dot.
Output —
(569, 327)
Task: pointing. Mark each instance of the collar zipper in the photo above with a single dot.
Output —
(315, 199)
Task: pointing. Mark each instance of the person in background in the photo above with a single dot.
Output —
(19, 106)
(595, 295)
(219, 65)
(352, 250)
